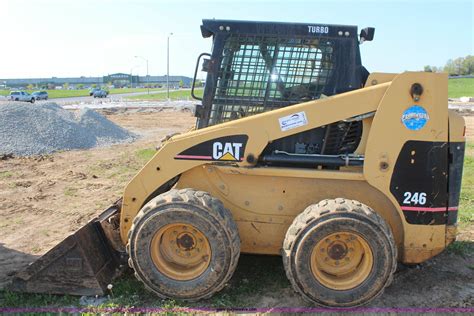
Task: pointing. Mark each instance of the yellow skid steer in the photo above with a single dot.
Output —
(298, 151)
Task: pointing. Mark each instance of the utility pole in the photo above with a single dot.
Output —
(147, 76)
(168, 67)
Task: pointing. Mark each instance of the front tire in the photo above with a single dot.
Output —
(184, 244)
(339, 253)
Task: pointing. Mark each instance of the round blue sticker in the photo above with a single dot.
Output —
(415, 118)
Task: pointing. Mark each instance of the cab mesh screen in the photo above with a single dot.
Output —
(259, 74)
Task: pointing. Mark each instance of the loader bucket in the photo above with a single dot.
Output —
(82, 264)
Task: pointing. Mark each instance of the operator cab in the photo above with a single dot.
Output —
(260, 66)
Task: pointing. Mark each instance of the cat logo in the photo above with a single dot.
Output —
(226, 151)
(227, 148)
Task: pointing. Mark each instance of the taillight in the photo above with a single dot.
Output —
(464, 131)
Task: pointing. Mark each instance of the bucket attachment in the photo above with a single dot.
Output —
(82, 264)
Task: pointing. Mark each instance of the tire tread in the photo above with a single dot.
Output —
(216, 210)
(328, 207)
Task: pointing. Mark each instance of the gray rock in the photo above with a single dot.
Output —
(37, 129)
(104, 130)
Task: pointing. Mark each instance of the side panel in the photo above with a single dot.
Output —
(265, 201)
(420, 182)
(402, 118)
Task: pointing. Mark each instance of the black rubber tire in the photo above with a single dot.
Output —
(328, 217)
(32, 100)
(207, 214)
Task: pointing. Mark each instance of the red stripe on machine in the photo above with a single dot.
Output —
(428, 209)
(193, 157)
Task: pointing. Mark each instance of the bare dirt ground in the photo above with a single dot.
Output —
(469, 127)
(44, 199)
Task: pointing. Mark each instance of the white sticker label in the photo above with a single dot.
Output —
(293, 121)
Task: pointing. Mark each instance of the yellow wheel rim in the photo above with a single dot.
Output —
(341, 261)
(180, 251)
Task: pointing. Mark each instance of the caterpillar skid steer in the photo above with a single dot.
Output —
(298, 151)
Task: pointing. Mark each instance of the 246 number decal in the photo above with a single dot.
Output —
(415, 198)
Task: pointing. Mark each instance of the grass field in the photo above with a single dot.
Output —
(457, 88)
(463, 87)
(53, 94)
(174, 95)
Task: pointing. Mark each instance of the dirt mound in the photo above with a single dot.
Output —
(27, 129)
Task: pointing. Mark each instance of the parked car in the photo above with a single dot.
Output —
(100, 93)
(21, 96)
(92, 90)
(40, 95)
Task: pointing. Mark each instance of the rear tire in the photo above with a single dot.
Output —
(339, 253)
(32, 100)
(184, 244)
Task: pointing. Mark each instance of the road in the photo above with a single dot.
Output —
(111, 97)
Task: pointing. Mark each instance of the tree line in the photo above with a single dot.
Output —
(460, 66)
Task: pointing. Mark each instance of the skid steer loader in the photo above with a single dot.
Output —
(298, 151)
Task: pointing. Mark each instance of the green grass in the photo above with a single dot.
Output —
(463, 87)
(466, 207)
(462, 248)
(466, 204)
(145, 154)
(129, 90)
(457, 88)
(13, 299)
(53, 94)
(174, 95)
(243, 289)
(5, 174)
(70, 191)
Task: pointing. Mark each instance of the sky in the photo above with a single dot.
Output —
(61, 38)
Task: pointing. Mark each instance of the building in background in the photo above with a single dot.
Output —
(117, 80)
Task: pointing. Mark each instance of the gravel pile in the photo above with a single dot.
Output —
(105, 131)
(27, 129)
